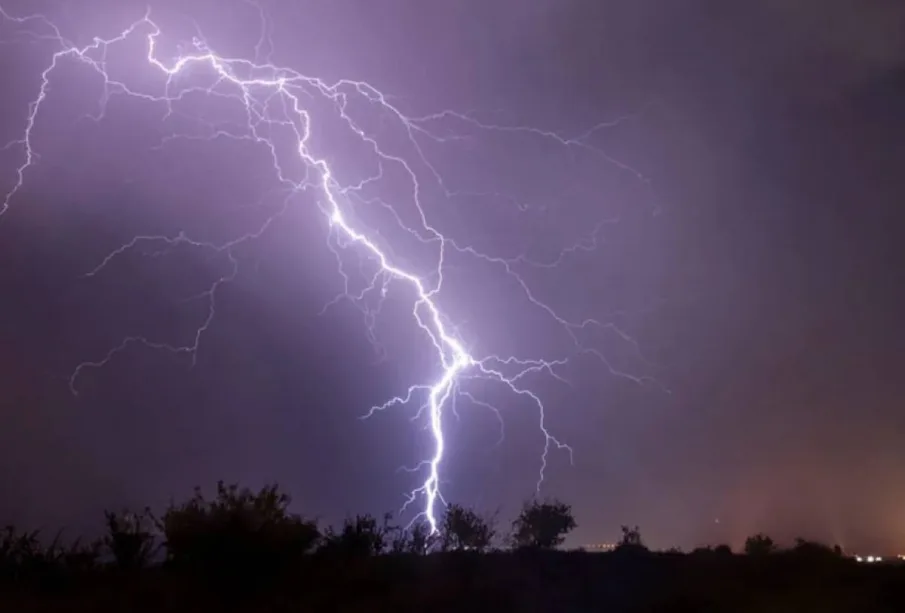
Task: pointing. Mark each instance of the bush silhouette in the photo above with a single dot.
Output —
(631, 540)
(18, 550)
(24, 557)
(542, 525)
(465, 530)
(814, 552)
(759, 545)
(723, 550)
(415, 539)
(129, 539)
(361, 536)
(239, 531)
(244, 550)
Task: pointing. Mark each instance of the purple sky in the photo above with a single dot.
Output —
(747, 245)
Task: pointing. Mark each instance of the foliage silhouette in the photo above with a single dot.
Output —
(130, 539)
(415, 539)
(18, 550)
(23, 556)
(759, 545)
(464, 530)
(814, 552)
(256, 553)
(542, 525)
(237, 532)
(361, 536)
(722, 550)
(630, 540)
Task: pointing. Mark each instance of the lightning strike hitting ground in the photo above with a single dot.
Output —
(273, 100)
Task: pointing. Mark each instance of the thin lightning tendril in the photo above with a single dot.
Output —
(260, 87)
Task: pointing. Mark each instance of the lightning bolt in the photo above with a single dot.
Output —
(273, 100)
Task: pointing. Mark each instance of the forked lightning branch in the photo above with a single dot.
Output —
(273, 101)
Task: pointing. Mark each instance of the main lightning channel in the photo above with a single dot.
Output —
(458, 364)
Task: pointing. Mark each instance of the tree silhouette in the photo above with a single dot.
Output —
(463, 529)
(759, 545)
(542, 525)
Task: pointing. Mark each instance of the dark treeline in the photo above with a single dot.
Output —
(245, 550)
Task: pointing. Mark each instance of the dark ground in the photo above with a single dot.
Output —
(560, 582)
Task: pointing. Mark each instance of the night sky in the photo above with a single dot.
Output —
(740, 229)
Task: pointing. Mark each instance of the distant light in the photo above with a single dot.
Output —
(600, 547)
